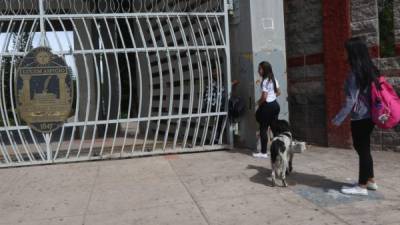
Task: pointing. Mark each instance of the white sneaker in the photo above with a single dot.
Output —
(372, 186)
(357, 190)
(260, 155)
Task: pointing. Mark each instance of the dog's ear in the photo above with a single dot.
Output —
(273, 127)
(276, 128)
(280, 126)
(286, 125)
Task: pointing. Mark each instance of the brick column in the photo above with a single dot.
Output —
(396, 11)
(336, 15)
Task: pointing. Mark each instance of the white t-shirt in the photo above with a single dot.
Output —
(268, 86)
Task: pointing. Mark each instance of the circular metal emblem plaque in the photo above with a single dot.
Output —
(44, 90)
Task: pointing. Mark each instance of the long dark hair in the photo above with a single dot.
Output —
(361, 64)
(268, 74)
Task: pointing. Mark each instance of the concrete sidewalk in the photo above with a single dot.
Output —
(207, 188)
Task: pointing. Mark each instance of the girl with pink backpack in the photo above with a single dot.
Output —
(363, 81)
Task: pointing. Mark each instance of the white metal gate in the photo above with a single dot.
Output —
(150, 77)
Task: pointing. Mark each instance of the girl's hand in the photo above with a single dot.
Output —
(278, 92)
(335, 122)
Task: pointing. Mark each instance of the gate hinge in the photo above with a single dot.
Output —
(230, 6)
(233, 11)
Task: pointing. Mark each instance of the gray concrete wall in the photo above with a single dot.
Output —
(268, 44)
(257, 34)
(306, 79)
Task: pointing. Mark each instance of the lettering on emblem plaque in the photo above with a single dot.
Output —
(44, 90)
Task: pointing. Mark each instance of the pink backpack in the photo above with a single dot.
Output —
(385, 105)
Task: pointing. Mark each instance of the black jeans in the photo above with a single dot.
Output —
(361, 132)
(269, 113)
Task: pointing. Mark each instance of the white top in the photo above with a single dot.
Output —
(268, 86)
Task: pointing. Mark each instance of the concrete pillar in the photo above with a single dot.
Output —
(262, 22)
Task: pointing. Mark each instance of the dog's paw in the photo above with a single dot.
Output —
(284, 184)
(273, 184)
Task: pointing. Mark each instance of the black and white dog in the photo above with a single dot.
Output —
(281, 154)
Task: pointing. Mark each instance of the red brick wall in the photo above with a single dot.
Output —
(336, 32)
(304, 44)
(317, 66)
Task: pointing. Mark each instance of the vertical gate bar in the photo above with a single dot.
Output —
(98, 100)
(119, 84)
(130, 83)
(89, 98)
(224, 124)
(3, 146)
(228, 65)
(219, 30)
(171, 83)
(174, 41)
(4, 151)
(88, 88)
(201, 88)
(77, 97)
(31, 34)
(191, 87)
(217, 71)
(181, 88)
(219, 90)
(160, 73)
(47, 139)
(102, 46)
(209, 77)
(3, 107)
(11, 93)
(228, 84)
(42, 25)
(61, 48)
(139, 68)
(37, 146)
(6, 118)
(151, 83)
(30, 40)
(183, 79)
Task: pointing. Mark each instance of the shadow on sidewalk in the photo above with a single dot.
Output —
(296, 178)
(242, 151)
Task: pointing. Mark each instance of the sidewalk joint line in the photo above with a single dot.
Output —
(201, 210)
(90, 195)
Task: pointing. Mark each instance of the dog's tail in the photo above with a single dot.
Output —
(277, 148)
